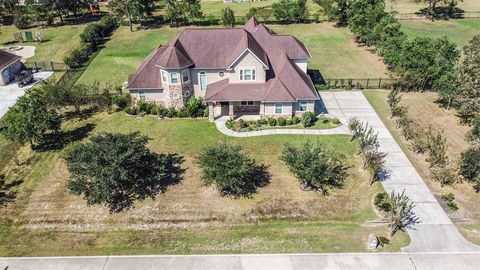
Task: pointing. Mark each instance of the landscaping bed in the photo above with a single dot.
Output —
(309, 121)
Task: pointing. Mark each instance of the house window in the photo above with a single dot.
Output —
(164, 77)
(202, 77)
(243, 103)
(278, 108)
(250, 103)
(176, 96)
(221, 74)
(302, 106)
(185, 77)
(174, 77)
(142, 95)
(247, 75)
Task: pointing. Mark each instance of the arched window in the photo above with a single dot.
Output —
(202, 78)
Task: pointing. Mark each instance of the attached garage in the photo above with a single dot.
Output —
(10, 65)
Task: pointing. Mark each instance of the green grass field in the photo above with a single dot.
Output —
(458, 31)
(189, 218)
(57, 41)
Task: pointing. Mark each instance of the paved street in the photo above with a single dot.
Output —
(10, 93)
(436, 232)
(357, 261)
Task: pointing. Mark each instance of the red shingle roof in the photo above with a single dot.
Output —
(219, 49)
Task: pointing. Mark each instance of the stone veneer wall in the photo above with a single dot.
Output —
(180, 89)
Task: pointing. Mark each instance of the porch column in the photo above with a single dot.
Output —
(230, 109)
(262, 110)
(211, 113)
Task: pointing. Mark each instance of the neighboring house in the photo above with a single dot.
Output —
(10, 65)
(249, 70)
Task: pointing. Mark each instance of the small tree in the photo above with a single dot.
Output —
(474, 133)
(374, 162)
(469, 70)
(394, 98)
(357, 128)
(31, 118)
(368, 142)
(118, 169)
(316, 166)
(230, 170)
(308, 119)
(437, 149)
(228, 17)
(470, 166)
(444, 175)
(401, 215)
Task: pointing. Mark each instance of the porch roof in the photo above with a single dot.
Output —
(225, 91)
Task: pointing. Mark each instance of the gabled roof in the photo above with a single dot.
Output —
(6, 59)
(248, 43)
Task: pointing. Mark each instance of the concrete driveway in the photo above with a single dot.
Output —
(10, 93)
(436, 232)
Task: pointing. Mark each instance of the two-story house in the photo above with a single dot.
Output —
(249, 70)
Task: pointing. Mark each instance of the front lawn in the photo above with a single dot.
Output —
(189, 218)
(57, 41)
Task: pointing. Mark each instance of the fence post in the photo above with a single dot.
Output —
(380, 83)
(368, 81)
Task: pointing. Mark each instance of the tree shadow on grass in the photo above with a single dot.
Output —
(6, 193)
(443, 13)
(173, 163)
(57, 141)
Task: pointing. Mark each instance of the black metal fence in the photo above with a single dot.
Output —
(48, 66)
(359, 83)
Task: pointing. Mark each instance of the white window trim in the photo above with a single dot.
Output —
(176, 96)
(164, 78)
(144, 94)
(223, 72)
(275, 108)
(171, 77)
(188, 76)
(300, 106)
(253, 74)
(200, 81)
(186, 93)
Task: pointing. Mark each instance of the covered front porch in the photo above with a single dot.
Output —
(247, 110)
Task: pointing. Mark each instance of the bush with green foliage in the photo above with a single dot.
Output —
(195, 107)
(122, 101)
(131, 111)
(228, 17)
(382, 202)
(316, 166)
(76, 57)
(445, 175)
(118, 169)
(308, 119)
(468, 98)
(281, 121)
(272, 121)
(295, 120)
(230, 170)
(470, 166)
(449, 198)
(437, 149)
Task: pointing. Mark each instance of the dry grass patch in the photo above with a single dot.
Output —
(422, 106)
